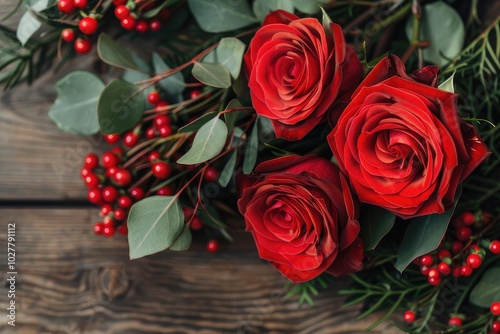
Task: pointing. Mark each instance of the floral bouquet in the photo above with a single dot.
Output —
(348, 137)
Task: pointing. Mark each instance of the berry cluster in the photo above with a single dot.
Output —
(87, 25)
(131, 15)
(141, 166)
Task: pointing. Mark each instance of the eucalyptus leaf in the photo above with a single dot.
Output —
(154, 224)
(442, 26)
(207, 144)
(309, 6)
(487, 290)
(214, 75)
(183, 242)
(228, 170)
(251, 150)
(114, 54)
(447, 85)
(28, 24)
(423, 235)
(263, 7)
(198, 123)
(375, 223)
(173, 85)
(75, 109)
(222, 15)
(230, 117)
(229, 53)
(120, 106)
(326, 20)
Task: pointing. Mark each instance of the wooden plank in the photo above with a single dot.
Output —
(71, 281)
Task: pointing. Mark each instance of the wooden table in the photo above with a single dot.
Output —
(72, 281)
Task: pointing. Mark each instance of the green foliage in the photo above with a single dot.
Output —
(487, 290)
(214, 75)
(75, 109)
(207, 144)
(251, 149)
(227, 172)
(375, 223)
(229, 53)
(308, 290)
(114, 54)
(174, 84)
(263, 7)
(120, 106)
(198, 123)
(28, 24)
(155, 224)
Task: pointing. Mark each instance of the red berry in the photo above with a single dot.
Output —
(486, 217)
(425, 270)
(108, 231)
(456, 271)
(463, 233)
(194, 94)
(84, 172)
(128, 23)
(474, 248)
(66, 6)
(154, 97)
(82, 46)
(109, 159)
(68, 35)
(160, 106)
(212, 246)
(154, 25)
(165, 191)
(161, 170)
(196, 224)
(109, 194)
(94, 196)
(409, 316)
(88, 25)
(119, 2)
(110, 172)
(108, 221)
(434, 272)
(456, 247)
(80, 4)
(467, 218)
(444, 268)
(122, 177)
(142, 26)
(137, 193)
(161, 120)
(150, 133)
(91, 181)
(188, 212)
(130, 139)
(474, 261)
(164, 14)
(122, 12)
(118, 151)
(165, 131)
(495, 308)
(122, 229)
(119, 214)
(91, 161)
(443, 254)
(212, 175)
(155, 155)
(495, 247)
(427, 260)
(98, 228)
(455, 322)
(125, 202)
(112, 138)
(105, 209)
(436, 280)
(495, 326)
(466, 270)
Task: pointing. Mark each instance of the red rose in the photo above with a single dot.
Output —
(402, 143)
(296, 72)
(303, 217)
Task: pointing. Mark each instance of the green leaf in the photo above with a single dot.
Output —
(198, 123)
(375, 223)
(221, 15)
(120, 107)
(230, 117)
(442, 26)
(423, 235)
(75, 109)
(251, 150)
(229, 53)
(447, 85)
(487, 290)
(263, 7)
(214, 75)
(155, 224)
(183, 242)
(326, 20)
(227, 171)
(112, 53)
(173, 85)
(207, 144)
(28, 24)
(309, 6)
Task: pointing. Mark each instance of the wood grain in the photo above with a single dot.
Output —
(71, 281)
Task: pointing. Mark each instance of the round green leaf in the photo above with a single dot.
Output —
(222, 15)
(263, 7)
(155, 224)
(75, 109)
(229, 53)
(120, 106)
(443, 27)
(214, 75)
(487, 290)
(207, 144)
(112, 53)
